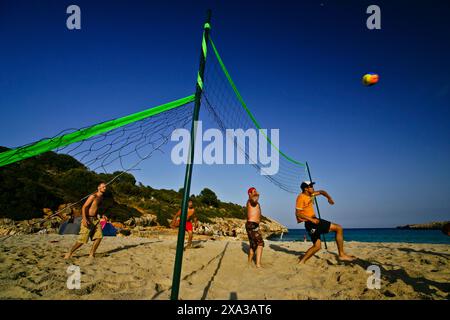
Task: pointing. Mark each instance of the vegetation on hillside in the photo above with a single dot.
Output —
(51, 179)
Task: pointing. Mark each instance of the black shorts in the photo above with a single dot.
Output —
(315, 230)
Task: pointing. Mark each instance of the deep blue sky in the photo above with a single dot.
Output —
(381, 152)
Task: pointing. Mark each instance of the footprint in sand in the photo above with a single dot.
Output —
(18, 275)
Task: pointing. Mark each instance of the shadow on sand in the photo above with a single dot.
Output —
(420, 284)
(208, 286)
(286, 250)
(108, 253)
(409, 250)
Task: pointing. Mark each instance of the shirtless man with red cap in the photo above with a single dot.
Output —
(252, 227)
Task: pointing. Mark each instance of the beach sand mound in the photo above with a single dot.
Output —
(32, 267)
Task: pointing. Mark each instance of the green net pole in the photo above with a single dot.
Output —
(317, 204)
(189, 165)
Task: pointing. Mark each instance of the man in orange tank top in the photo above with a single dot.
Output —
(304, 212)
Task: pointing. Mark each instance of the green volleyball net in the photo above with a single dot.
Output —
(127, 141)
(123, 142)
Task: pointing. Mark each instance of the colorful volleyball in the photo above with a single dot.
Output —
(370, 79)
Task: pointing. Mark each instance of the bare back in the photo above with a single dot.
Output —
(253, 212)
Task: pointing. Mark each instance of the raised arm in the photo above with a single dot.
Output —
(325, 194)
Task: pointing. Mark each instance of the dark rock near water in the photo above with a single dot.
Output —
(425, 226)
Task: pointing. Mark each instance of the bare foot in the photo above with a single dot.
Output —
(346, 257)
(259, 266)
(68, 255)
(300, 261)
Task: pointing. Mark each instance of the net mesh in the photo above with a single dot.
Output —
(124, 147)
(127, 141)
(227, 109)
(128, 146)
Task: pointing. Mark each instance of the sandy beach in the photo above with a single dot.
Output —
(32, 267)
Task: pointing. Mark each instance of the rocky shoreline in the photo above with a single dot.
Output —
(144, 226)
(425, 226)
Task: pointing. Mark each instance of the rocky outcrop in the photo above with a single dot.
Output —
(146, 225)
(147, 220)
(425, 226)
(10, 227)
(49, 223)
(232, 227)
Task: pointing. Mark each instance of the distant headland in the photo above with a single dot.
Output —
(425, 226)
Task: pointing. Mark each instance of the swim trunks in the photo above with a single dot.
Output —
(188, 226)
(315, 230)
(254, 235)
(94, 231)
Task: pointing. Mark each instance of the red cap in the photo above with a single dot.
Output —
(250, 190)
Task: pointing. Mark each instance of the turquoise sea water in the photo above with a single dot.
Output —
(374, 235)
